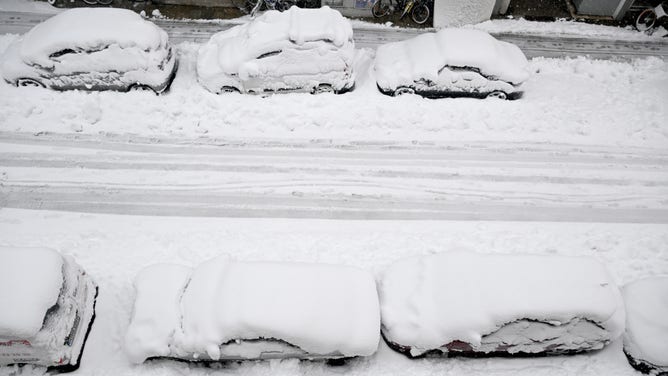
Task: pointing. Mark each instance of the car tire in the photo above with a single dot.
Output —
(228, 90)
(29, 82)
(403, 90)
(497, 94)
(141, 87)
(322, 88)
(420, 14)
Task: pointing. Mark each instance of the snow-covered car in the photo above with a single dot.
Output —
(47, 308)
(646, 335)
(92, 49)
(475, 304)
(304, 50)
(451, 63)
(230, 310)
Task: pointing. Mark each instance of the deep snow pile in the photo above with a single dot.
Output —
(428, 302)
(30, 282)
(423, 57)
(321, 309)
(646, 336)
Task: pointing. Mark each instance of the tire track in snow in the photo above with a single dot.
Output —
(324, 179)
(370, 37)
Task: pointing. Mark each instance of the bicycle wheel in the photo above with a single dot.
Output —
(646, 20)
(420, 14)
(380, 9)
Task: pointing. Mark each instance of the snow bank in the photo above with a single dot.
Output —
(646, 336)
(428, 302)
(322, 309)
(30, 282)
(89, 29)
(424, 56)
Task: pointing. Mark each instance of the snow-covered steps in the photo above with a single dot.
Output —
(646, 336)
(476, 304)
(228, 310)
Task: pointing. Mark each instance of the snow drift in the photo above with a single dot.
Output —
(476, 303)
(646, 336)
(224, 310)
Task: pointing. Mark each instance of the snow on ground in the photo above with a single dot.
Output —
(29, 6)
(113, 249)
(566, 100)
(564, 28)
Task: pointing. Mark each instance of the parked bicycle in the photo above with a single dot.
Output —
(420, 10)
(253, 6)
(649, 19)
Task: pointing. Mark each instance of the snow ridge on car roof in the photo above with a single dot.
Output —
(89, 28)
(424, 56)
(275, 30)
(30, 282)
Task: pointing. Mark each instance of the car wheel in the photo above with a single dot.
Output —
(497, 94)
(140, 87)
(420, 14)
(229, 89)
(403, 90)
(323, 88)
(28, 82)
(90, 2)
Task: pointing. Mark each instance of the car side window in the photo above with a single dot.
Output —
(62, 53)
(269, 54)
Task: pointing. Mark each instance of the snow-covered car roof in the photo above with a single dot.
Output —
(89, 29)
(274, 31)
(430, 301)
(30, 283)
(424, 56)
(322, 309)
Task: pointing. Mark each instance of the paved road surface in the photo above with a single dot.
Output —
(532, 45)
(516, 182)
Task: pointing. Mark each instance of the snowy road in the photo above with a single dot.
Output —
(320, 179)
(370, 37)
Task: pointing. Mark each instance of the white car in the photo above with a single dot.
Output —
(465, 303)
(92, 49)
(305, 50)
(230, 310)
(48, 308)
(451, 63)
